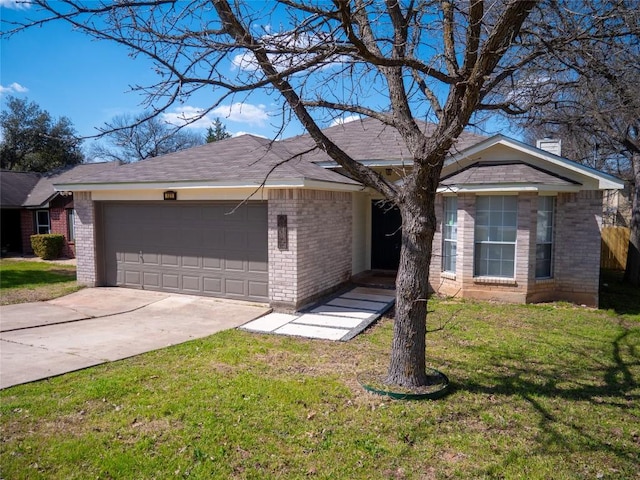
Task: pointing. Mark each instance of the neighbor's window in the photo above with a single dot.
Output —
(71, 233)
(495, 236)
(42, 222)
(544, 237)
(450, 234)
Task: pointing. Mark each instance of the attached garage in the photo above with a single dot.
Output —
(185, 247)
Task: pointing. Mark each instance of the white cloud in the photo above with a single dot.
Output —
(239, 134)
(297, 47)
(342, 121)
(194, 117)
(15, 4)
(13, 88)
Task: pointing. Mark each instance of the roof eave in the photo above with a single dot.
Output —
(508, 187)
(300, 182)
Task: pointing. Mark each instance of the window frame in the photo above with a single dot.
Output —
(38, 225)
(487, 250)
(549, 237)
(71, 229)
(449, 235)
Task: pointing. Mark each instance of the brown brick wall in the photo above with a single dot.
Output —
(318, 258)
(58, 221)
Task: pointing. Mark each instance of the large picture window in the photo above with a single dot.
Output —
(544, 237)
(42, 222)
(496, 227)
(450, 234)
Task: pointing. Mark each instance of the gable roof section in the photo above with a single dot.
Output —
(370, 142)
(501, 176)
(15, 187)
(245, 161)
(554, 165)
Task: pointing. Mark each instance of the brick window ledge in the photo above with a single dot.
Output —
(495, 281)
(448, 275)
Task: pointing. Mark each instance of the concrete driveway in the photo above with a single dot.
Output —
(98, 325)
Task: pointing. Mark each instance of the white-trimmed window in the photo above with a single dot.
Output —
(496, 227)
(544, 237)
(43, 224)
(450, 234)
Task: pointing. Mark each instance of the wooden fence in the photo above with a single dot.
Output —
(614, 248)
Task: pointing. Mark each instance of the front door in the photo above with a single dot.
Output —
(386, 236)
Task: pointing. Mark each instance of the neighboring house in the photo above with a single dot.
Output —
(30, 205)
(278, 222)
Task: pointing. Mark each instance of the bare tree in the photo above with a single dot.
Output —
(442, 61)
(129, 139)
(596, 110)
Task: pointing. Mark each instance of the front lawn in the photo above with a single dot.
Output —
(27, 281)
(539, 392)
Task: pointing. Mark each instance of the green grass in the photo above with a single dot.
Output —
(539, 392)
(25, 281)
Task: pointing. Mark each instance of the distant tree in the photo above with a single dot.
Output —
(32, 141)
(217, 131)
(595, 108)
(131, 138)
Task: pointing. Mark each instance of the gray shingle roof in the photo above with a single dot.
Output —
(249, 159)
(497, 173)
(30, 189)
(370, 139)
(15, 187)
(244, 159)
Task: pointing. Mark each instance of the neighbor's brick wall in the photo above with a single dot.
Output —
(85, 238)
(26, 230)
(58, 222)
(318, 257)
(577, 258)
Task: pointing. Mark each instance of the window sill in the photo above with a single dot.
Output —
(542, 281)
(495, 281)
(448, 275)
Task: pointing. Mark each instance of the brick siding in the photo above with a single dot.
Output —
(85, 245)
(318, 257)
(576, 253)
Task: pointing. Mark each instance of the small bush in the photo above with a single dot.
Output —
(47, 246)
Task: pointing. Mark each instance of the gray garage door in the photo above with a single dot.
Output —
(197, 249)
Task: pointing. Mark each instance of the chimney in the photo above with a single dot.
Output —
(551, 145)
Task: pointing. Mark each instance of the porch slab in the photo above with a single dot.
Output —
(339, 318)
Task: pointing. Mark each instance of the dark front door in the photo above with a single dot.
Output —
(10, 231)
(386, 236)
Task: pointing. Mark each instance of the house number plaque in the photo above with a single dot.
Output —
(170, 195)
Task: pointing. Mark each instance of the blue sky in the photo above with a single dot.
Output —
(70, 74)
(89, 81)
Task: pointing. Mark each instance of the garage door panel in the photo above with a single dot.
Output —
(170, 260)
(235, 287)
(131, 257)
(190, 248)
(132, 277)
(151, 279)
(212, 285)
(234, 265)
(258, 267)
(191, 283)
(258, 289)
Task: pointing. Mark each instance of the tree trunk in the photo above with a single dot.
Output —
(632, 270)
(407, 367)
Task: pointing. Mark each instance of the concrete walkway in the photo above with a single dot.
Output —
(339, 318)
(97, 325)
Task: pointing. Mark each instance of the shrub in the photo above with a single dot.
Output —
(47, 246)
